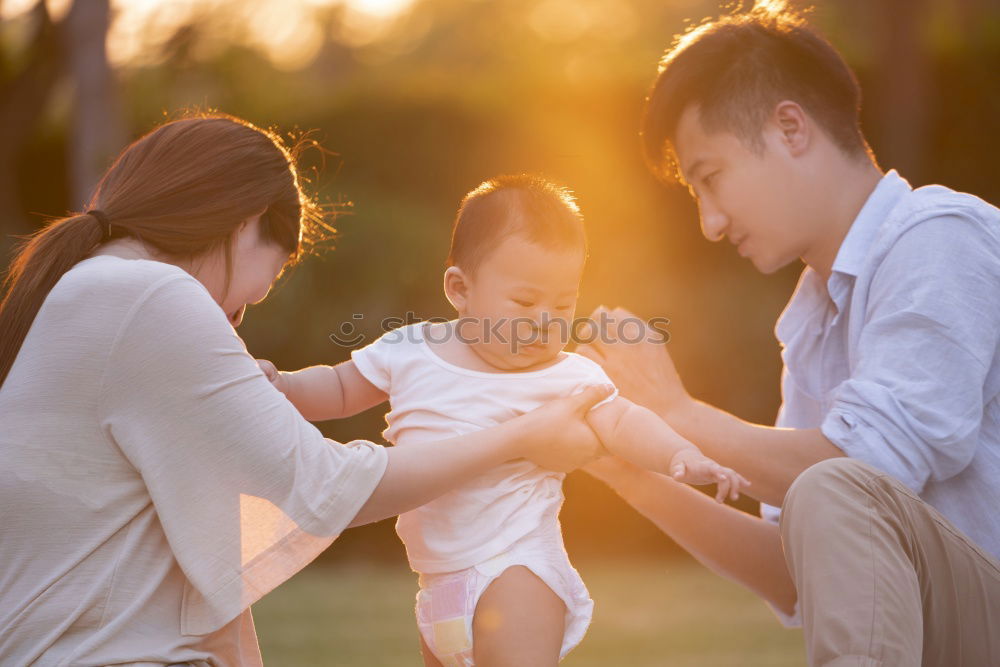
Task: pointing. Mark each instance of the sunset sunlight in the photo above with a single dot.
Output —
(596, 333)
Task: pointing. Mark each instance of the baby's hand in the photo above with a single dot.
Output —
(692, 467)
(273, 374)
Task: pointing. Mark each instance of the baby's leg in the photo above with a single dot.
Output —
(518, 621)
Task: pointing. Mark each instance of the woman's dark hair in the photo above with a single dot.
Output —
(183, 189)
(737, 68)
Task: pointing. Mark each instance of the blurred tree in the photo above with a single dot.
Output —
(96, 126)
(422, 105)
(26, 83)
(904, 83)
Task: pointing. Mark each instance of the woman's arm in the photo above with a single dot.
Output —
(553, 436)
(736, 545)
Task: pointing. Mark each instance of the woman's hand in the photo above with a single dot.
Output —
(635, 357)
(557, 436)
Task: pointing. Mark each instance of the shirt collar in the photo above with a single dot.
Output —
(811, 295)
(855, 246)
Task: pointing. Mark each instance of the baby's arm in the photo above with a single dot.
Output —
(638, 435)
(325, 392)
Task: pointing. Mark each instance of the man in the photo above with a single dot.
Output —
(890, 421)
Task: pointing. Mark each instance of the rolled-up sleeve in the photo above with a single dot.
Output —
(246, 490)
(914, 402)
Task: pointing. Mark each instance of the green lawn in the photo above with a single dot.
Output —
(646, 614)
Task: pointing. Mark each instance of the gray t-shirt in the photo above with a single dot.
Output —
(154, 484)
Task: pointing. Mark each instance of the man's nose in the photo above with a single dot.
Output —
(713, 221)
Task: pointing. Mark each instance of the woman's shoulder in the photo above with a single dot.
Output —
(106, 278)
(104, 305)
(112, 269)
(151, 312)
(104, 293)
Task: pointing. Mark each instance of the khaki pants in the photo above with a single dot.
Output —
(882, 577)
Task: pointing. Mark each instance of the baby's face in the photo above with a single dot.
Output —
(521, 301)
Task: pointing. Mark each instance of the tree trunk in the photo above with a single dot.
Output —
(95, 126)
(903, 69)
(23, 98)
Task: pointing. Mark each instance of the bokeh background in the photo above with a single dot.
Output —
(414, 102)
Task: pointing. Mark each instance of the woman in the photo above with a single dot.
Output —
(154, 483)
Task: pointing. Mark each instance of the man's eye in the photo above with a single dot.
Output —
(708, 180)
(523, 304)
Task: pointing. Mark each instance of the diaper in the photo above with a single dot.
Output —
(446, 602)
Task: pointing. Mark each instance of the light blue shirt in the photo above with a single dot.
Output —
(896, 357)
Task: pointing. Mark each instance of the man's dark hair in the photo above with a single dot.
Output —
(737, 68)
(516, 204)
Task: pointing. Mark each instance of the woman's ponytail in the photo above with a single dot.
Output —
(38, 265)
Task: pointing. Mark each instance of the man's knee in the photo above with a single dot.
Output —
(829, 483)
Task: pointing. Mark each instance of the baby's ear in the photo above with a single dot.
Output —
(456, 287)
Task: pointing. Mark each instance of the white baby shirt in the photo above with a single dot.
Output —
(433, 399)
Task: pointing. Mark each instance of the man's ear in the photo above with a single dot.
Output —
(794, 127)
(456, 287)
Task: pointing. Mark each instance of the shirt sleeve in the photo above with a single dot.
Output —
(373, 361)
(914, 403)
(246, 490)
(594, 374)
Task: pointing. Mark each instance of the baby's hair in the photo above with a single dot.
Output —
(514, 204)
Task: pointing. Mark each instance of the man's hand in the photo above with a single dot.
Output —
(643, 371)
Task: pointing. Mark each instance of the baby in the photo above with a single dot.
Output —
(496, 585)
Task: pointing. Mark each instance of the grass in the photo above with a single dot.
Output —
(646, 613)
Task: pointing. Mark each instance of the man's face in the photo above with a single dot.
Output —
(750, 199)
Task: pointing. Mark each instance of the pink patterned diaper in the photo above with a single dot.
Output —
(446, 602)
